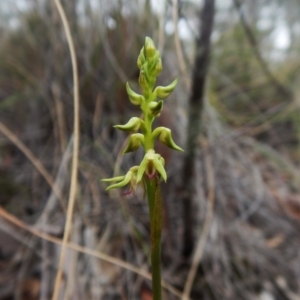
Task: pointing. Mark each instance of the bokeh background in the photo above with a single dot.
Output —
(232, 200)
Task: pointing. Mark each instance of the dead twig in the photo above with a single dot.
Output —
(74, 171)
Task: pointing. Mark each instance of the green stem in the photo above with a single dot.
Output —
(148, 141)
(155, 209)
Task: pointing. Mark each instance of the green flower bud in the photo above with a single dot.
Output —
(165, 136)
(135, 99)
(135, 141)
(153, 61)
(150, 166)
(156, 108)
(164, 91)
(143, 80)
(158, 68)
(141, 59)
(154, 65)
(133, 125)
(149, 48)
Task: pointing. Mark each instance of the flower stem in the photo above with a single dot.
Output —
(155, 209)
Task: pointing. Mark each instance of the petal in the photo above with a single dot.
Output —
(141, 169)
(118, 178)
(122, 183)
(160, 168)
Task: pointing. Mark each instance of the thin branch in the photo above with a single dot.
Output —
(74, 171)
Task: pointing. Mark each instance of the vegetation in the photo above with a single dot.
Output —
(241, 186)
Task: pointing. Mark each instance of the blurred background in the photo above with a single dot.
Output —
(232, 200)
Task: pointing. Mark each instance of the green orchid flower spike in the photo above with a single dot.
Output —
(150, 65)
(152, 168)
